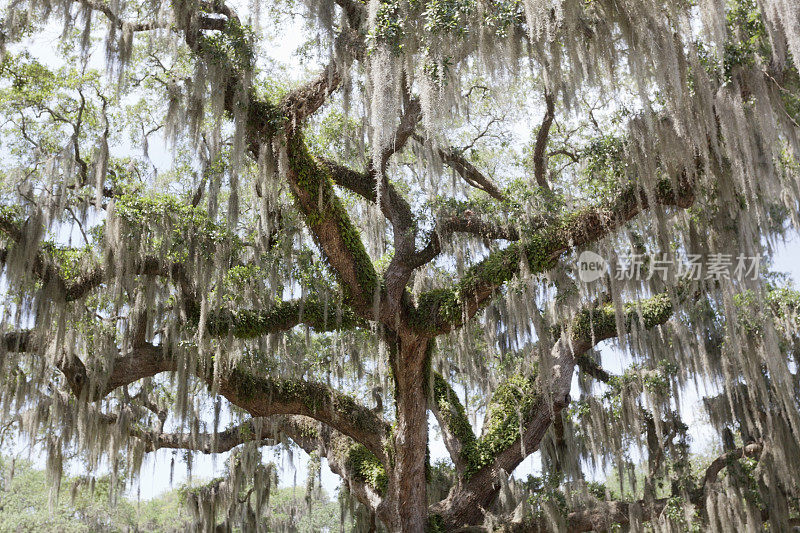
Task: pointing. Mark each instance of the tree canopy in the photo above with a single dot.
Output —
(467, 211)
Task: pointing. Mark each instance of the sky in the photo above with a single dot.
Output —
(157, 474)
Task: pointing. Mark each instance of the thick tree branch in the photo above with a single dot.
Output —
(261, 397)
(539, 151)
(310, 180)
(607, 514)
(412, 114)
(441, 310)
(242, 324)
(144, 360)
(207, 443)
(392, 204)
(471, 223)
(245, 324)
(337, 237)
(374, 186)
(456, 430)
(524, 425)
(752, 449)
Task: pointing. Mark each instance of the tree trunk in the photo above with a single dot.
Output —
(411, 437)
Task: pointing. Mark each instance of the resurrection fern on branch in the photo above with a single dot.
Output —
(214, 245)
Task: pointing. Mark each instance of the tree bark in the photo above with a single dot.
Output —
(408, 483)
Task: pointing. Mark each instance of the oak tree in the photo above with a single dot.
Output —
(209, 246)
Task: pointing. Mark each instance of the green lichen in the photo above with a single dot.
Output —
(367, 468)
(315, 397)
(637, 378)
(314, 179)
(599, 323)
(441, 309)
(248, 324)
(453, 415)
(309, 431)
(509, 408)
(264, 119)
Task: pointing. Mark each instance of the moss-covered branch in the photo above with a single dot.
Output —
(247, 324)
(441, 310)
(592, 326)
(523, 407)
(266, 397)
(457, 432)
(339, 240)
(141, 361)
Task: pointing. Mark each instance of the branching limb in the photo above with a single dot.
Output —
(44, 267)
(374, 186)
(412, 114)
(284, 316)
(456, 430)
(607, 514)
(346, 458)
(144, 360)
(258, 430)
(468, 172)
(539, 151)
(524, 426)
(442, 310)
(752, 449)
(208, 23)
(261, 397)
